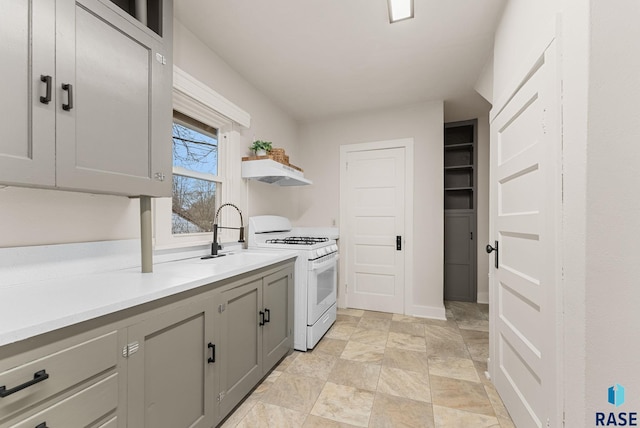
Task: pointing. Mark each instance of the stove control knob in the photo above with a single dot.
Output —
(334, 248)
(321, 252)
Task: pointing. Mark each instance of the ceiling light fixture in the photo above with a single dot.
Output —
(400, 10)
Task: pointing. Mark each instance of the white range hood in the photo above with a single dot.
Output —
(272, 172)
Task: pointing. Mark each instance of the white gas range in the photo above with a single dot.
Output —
(316, 273)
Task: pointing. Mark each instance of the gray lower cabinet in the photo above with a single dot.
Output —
(86, 97)
(277, 333)
(254, 321)
(185, 362)
(460, 257)
(239, 343)
(170, 378)
(71, 380)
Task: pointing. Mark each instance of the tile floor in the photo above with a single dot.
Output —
(375, 369)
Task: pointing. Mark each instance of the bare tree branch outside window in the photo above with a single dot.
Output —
(193, 204)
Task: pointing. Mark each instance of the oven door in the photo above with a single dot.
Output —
(322, 285)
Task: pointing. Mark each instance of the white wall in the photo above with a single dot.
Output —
(268, 122)
(484, 84)
(319, 204)
(522, 23)
(39, 217)
(613, 227)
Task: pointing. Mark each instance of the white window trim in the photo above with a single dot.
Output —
(194, 99)
(213, 101)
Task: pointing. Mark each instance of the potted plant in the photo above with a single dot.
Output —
(260, 148)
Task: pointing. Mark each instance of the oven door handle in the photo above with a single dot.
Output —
(319, 265)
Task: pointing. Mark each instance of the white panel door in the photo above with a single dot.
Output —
(375, 214)
(525, 206)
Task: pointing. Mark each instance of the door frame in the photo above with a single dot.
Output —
(549, 34)
(407, 145)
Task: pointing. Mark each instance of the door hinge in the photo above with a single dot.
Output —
(221, 396)
(222, 307)
(161, 58)
(130, 349)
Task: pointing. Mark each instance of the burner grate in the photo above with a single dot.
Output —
(297, 240)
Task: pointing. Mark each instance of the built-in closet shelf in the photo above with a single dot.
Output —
(459, 165)
(147, 12)
(458, 146)
(460, 195)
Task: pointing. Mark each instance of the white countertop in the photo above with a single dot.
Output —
(33, 308)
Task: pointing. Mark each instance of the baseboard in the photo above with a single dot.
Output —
(432, 312)
(483, 297)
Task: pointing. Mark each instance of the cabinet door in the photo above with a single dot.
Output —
(116, 138)
(278, 304)
(27, 143)
(459, 257)
(239, 345)
(170, 380)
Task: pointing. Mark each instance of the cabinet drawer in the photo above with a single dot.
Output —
(58, 371)
(79, 410)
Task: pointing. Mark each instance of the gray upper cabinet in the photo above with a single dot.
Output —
(107, 126)
(27, 121)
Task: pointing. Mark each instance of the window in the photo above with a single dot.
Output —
(195, 171)
(199, 140)
(203, 126)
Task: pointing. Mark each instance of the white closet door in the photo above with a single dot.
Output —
(525, 205)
